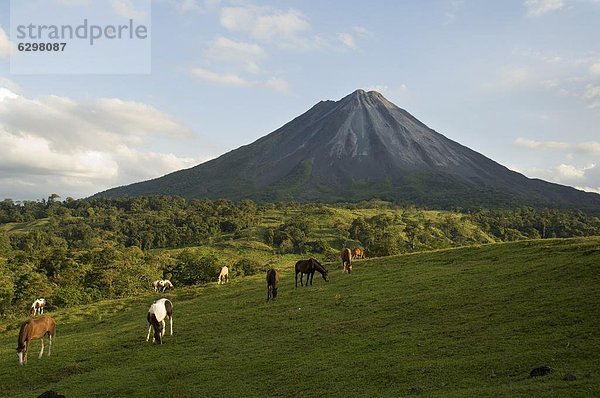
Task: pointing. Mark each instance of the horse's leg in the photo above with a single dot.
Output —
(49, 345)
(296, 279)
(162, 334)
(171, 323)
(148, 337)
(42, 351)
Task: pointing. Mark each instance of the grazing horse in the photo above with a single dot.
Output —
(157, 313)
(358, 253)
(162, 285)
(38, 307)
(272, 281)
(309, 267)
(347, 260)
(33, 329)
(224, 275)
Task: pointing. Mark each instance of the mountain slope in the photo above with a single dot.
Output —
(360, 147)
(463, 322)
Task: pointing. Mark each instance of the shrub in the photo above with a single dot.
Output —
(245, 267)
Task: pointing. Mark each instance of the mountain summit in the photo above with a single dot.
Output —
(360, 147)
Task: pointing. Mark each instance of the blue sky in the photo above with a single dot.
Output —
(517, 80)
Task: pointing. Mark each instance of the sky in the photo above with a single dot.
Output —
(516, 80)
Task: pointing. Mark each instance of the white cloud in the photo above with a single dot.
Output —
(585, 148)
(588, 148)
(56, 144)
(595, 69)
(249, 55)
(347, 40)
(385, 89)
(9, 85)
(5, 44)
(538, 145)
(286, 29)
(512, 76)
(591, 94)
(569, 173)
(232, 79)
(198, 6)
(277, 84)
(73, 2)
(452, 9)
(536, 8)
(126, 9)
(227, 79)
(361, 31)
(582, 177)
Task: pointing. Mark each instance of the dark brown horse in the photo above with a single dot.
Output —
(309, 267)
(347, 260)
(272, 281)
(33, 329)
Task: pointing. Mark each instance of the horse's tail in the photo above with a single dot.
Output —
(169, 308)
(52, 328)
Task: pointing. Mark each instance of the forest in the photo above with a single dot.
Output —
(77, 251)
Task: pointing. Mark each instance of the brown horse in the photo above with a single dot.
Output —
(309, 267)
(358, 253)
(272, 281)
(33, 329)
(347, 260)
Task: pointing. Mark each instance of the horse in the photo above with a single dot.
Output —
(309, 267)
(358, 253)
(33, 329)
(162, 285)
(37, 308)
(159, 310)
(224, 275)
(347, 260)
(272, 281)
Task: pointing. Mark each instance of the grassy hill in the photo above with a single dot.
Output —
(460, 322)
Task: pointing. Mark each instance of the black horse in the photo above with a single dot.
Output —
(309, 267)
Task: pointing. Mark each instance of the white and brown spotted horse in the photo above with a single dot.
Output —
(37, 308)
(161, 285)
(159, 310)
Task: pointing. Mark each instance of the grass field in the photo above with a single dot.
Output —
(458, 323)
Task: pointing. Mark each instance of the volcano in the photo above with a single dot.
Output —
(358, 148)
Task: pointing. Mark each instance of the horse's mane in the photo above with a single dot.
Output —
(22, 334)
(318, 266)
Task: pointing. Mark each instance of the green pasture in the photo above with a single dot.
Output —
(465, 322)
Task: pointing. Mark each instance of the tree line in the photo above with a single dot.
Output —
(76, 251)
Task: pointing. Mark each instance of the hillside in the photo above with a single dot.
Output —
(460, 322)
(358, 148)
